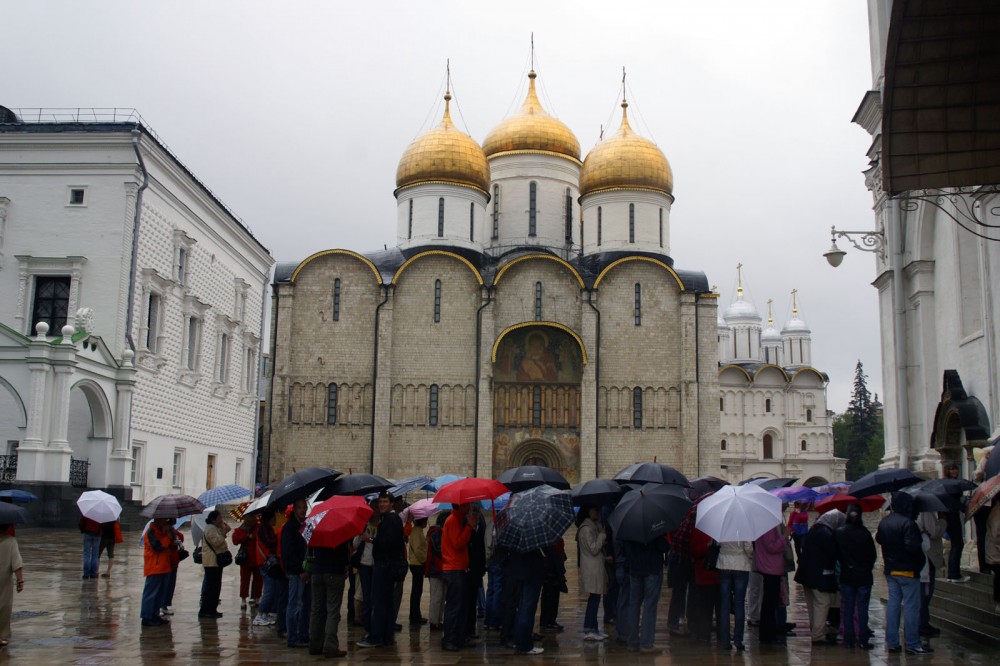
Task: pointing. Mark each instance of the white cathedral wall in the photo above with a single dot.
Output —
(614, 222)
(459, 204)
(553, 175)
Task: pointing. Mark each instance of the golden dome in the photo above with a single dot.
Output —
(444, 155)
(626, 161)
(531, 129)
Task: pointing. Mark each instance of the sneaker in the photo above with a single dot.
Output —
(591, 636)
(365, 643)
(167, 610)
(603, 636)
(963, 579)
(272, 618)
(260, 621)
(534, 650)
(922, 649)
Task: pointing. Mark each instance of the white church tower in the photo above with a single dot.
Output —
(770, 340)
(744, 324)
(796, 339)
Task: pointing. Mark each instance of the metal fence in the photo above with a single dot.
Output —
(8, 468)
(78, 470)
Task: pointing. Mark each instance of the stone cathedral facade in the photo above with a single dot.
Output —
(530, 313)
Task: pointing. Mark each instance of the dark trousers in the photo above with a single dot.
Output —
(611, 597)
(551, 589)
(365, 575)
(416, 592)
(324, 618)
(511, 596)
(679, 577)
(281, 599)
(456, 596)
(470, 605)
(525, 622)
(352, 581)
(956, 534)
(211, 588)
(769, 601)
(979, 518)
(926, 592)
(622, 610)
(706, 601)
(383, 621)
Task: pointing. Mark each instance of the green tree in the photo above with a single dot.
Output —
(857, 433)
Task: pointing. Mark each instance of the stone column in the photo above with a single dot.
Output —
(590, 466)
(381, 428)
(484, 427)
(120, 460)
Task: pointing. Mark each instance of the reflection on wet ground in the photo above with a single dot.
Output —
(60, 618)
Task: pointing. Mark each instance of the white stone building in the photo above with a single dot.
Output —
(131, 322)
(774, 419)
(935, 179)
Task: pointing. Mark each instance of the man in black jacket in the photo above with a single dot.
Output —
(903, 555)
(388, 550)
(817, 565)
(293, 555)
(856, 554)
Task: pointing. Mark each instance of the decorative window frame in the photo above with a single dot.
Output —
(249, 361)
(152, 283)
(4, 208)
(30, 266)
(69, 197)
(181, 272)
(177, 468)
(193, 309)
(241, 288)
(222, 369)
(137, 463)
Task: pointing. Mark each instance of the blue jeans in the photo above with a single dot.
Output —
(91, 554)
(854, 604)
(527, 604)
(153, 592)
(622, 610)
(903, 592)
(733, 593)
(590, 617)
(644, 593)
(297, 617)
(494, 596)
(267, 597)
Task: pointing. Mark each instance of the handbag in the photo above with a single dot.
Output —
(223, 559)
(789, 557)
(196, 556)
(272, 567)
(711, 560)
(241, 556)
(182, 554)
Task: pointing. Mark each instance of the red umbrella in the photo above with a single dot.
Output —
(468, 490)
(984, 495)
(336, 520)
(841, 502)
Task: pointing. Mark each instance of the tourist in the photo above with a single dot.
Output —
(266, 547)
(553, 585)
(91, 531)
(251, 582)
(903, 556)
(11, 570)
(365, 563)
(416, 556)
(388, 547)
(177, 555)
(993, 550)
(435, 610)
(329, 571)
(645, 570)
(703, 606)
(734, 564)
(215, 556)
(158, 543)
(769, 561)
(591, 537)
(932, 528)
(622, 610)
(611, 596)
(477, 569)
(525, 571)
(817, 575)
(111, 533)
(856, 557)
(494, 576)
(398, 505)
(955, 532)
(293, 555)
(798, 526)
(455, 538)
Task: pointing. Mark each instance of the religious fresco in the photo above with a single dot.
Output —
(538, 355)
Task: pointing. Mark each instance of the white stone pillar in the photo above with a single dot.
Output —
(120, 460)
(484, 428)
(381, 427)
(589, 443)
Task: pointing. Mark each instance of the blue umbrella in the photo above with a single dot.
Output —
(223, 494)
(18, 495)
(409, 484)
(444, 479)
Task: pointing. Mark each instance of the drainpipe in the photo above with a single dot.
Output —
(697, 380)
(378, 312)
(479, 337)
(597, 386)
(136, 135)
(899, 334)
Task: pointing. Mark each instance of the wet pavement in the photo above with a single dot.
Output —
(61, 619)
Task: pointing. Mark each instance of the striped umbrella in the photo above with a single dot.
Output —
(172, 506)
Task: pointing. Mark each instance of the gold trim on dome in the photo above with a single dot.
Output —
(456, 183)
(651, 260)
(771, 365)
(729, 366)
(444, 154)
(809, 368)
(535, 152)
(531, 128)
(539, 255)
(626, 161)
(348, 253)
(445, 253)
(625, 189)
(709, 294)
(548, 324)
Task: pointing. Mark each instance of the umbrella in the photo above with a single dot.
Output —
(408, 485)
(984, 494)
(172, 506)
(470, 490)
(948, 491)
(534, 518)
(529, 476)
(738, 513)
(259, 504)
(705, 485)
(199, 522)
(992, 463)
(832, 488)
(300, 485)
(18, 495)
(883, 481)
(927, 502)
(334, 521)
(356, 484)
(422, 508)
(795, 494)
(442, 481)
(649, 512)
(99, 506)
(651, 472)
(223, 495)
(841, 502)
(597, 492)
(12, 515)
(772, 484)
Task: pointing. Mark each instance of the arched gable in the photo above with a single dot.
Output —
(770, 375)
(734, 371)
(548, 324)
(100, 408)
(807, 374)
(22, 422)
(365, 260)
(444, 253)
(543, 257)
(664, 266)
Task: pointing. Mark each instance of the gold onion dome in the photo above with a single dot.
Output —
(626, 161)
(444, 155)
(531, 129)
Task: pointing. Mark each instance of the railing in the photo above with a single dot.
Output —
(8, 468)
(78, 473)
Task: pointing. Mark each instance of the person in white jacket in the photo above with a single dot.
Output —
(593, 574)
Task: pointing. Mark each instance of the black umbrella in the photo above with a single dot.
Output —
(356, 484)
(954, 487)
(529, 476)
(597, 492)
(769, 484)
(924, 501)
(300, 485)
(883, 481)
(705, 485)
(12, 515)
(651, 472)
(650, 512)
(993, 462)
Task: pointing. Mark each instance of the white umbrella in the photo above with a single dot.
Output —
(99, 506)
(199, 522)
(258, 504)
(738, 513)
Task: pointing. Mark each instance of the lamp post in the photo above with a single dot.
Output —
(870, 241)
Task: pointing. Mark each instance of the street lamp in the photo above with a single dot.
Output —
(871, 241)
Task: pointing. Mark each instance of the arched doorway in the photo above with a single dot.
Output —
(89, 432)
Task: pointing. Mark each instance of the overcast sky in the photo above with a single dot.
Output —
(295, 114)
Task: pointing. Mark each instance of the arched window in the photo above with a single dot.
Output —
(440, 217)
(569, 216)
(809, 415)
(768, 447)
(409, 227)
(767, 405)
(472, 221)
(336, 299)
(631, 223)
(637, 408)
(437, 301)
(432, 411)
(496, 212)
(722, 404)
(723, 445)
(536, 407)
(538, 301)
(600, 224)
(331, 404)
(803, 445)
(638, 304)
(532, 210)
(661, 227)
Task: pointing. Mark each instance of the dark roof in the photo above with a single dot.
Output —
(753, 366)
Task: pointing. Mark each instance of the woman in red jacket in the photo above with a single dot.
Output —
(706, 589)
(251, 583)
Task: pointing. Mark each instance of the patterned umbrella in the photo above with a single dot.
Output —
(408, 485)
(534, 518)
(223, 495)
(795, 494)
(99, 506)
(651, 472)
(172, 506)
(529, 476)
(336, 520)
(984, 494)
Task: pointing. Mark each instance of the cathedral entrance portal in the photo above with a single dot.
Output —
(537, 373)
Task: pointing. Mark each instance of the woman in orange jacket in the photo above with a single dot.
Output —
(158, 550)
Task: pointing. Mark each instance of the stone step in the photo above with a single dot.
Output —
(971, 609)
(985, 580)
(983, 628)
(967, 592)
